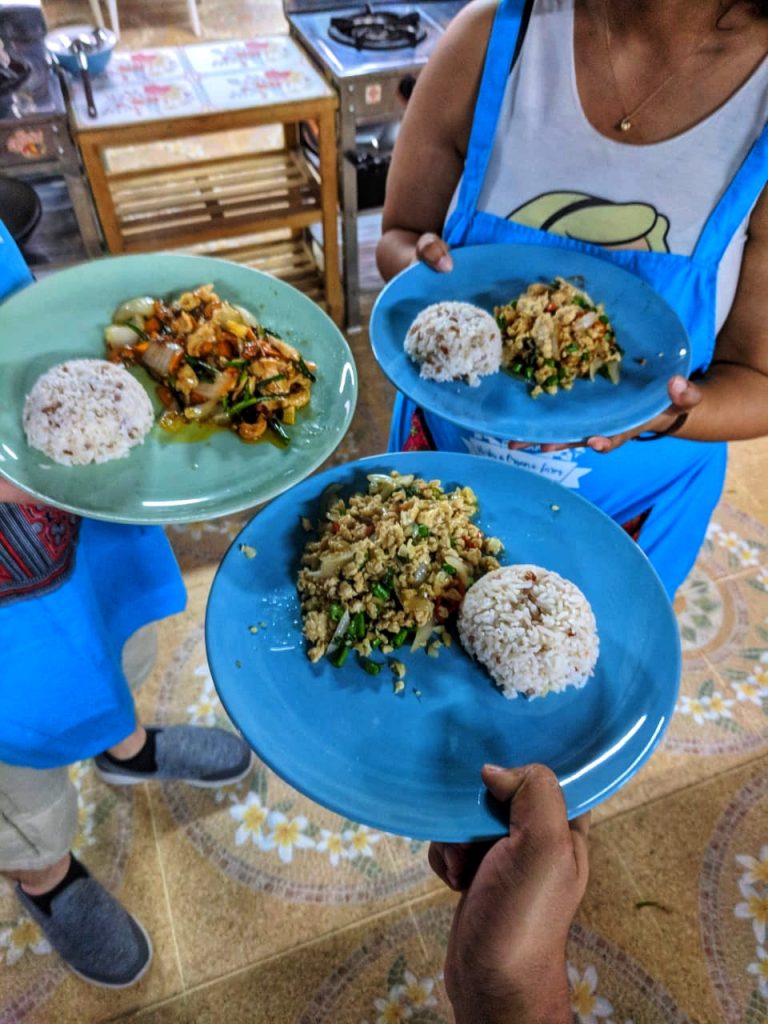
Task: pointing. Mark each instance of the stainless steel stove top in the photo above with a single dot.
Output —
(39, 97)
(343, 61)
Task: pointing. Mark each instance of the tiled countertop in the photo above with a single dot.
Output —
(184, 81)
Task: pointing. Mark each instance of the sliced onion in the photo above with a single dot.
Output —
(199, 413)
(215, 388)
(381, 484)
(118, 336)
(339, 633)
(612, 369)
(459, 565)
(143, 306)
(162, 359)
(247, 316)
(228, 312)
(586, 321)
(594, 366)
(330, 565)
(423, 633)
(284, 348)
(421, 572)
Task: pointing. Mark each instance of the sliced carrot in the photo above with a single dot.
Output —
(152, 326)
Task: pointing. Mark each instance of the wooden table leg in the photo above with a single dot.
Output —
(102, 196)
(329, 203)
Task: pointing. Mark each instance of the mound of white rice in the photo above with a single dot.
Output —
(454, 341)
(533, 631)
(86, 410)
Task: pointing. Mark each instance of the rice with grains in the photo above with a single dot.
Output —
(533, 630)
(454, 341)
(86, 410)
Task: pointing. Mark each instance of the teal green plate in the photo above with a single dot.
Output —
(166, 479)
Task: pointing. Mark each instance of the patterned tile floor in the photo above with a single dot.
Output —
(263, 907)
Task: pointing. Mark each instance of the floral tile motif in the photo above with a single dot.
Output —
(261, 832)
(733, 905)
(29, 969)
(388, 980)
(722, 610)
(735, 543)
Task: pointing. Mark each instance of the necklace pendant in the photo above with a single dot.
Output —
(625, 124)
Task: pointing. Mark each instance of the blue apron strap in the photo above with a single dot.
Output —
(498, 61)
(735, 203)
(14, 272)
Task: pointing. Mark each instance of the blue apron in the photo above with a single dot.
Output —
(63, 694)
(679, 481)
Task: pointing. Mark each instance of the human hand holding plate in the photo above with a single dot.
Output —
(685, 396)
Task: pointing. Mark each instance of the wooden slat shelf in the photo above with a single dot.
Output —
(216, 203)
(215, 199)
(291, 259)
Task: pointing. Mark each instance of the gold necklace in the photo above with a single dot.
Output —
(625, 124)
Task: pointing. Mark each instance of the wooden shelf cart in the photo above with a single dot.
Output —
(252, 207)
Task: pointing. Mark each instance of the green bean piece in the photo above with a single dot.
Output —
(339, 656)
(335, 612)
(201, 368)
(304, 369)
(378, 591)
(358, 625)
(371, 667)
(450, 569)
(276, 426)
(400, 638)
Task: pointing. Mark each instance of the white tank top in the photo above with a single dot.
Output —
(550, 169)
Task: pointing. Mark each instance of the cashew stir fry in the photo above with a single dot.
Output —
(215, 362)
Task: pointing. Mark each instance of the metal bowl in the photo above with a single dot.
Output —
(98, 43)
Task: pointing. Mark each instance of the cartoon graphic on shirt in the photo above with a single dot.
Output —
(596, 220)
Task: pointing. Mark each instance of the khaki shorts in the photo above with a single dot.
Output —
(38, 807)
(38, 816)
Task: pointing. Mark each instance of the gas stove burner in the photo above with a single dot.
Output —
(378, 30)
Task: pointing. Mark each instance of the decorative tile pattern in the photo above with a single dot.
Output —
(733, 898)
(263, 834)
(150, 84)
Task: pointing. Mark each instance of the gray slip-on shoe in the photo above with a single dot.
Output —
(201, 756)
(93, 934)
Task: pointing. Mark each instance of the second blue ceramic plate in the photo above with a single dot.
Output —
(410, 763)
(654, 340)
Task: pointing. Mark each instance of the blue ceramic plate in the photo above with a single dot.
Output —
(171, 478)
(410, 763)
(654, 340)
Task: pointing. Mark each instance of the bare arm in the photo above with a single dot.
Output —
(730, 401)
(10, 494)
(734, 405)
(431, 146)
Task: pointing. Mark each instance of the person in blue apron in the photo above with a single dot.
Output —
(634, 133)
(72, 594)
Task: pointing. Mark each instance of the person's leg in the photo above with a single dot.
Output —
(201, 756)
(93, 934)
(208, 757)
